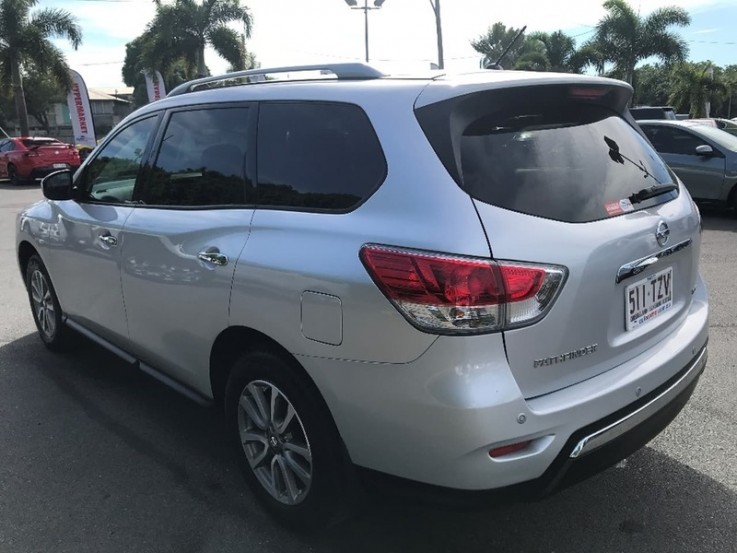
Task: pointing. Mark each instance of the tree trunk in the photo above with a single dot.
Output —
(19, 98)
(201, 67)
(629, 77)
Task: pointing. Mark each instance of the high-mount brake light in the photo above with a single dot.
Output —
(587, 93)
(447, 294)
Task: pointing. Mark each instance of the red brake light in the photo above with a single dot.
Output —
(453, 294)
(427, 279)
(587, 93)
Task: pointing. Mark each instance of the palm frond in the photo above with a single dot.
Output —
(659, 20)
(227, 43)
(226, 11)
(55, 23)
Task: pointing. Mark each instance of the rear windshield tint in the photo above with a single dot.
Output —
(653, 113)
(566, 160)
(29, 142)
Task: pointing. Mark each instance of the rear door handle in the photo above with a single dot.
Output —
(108, 239)
(212, 256)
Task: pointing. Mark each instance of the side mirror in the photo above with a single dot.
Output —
(58, 185)
(704, 150)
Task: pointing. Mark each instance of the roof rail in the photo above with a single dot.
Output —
(343, 71)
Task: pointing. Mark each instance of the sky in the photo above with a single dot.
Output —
(401, 33)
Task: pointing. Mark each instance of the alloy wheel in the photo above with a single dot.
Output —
(274, 442)
(43, 304)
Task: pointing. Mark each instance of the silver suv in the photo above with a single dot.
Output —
(478, 284)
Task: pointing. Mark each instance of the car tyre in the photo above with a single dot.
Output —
(15, 180)
(287, 445)
(45, 307)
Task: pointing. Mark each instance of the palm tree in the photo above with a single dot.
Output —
(497, 38)
(183, 28)
(624, 38)
(25, 40)
(695, 85)
(550, 52)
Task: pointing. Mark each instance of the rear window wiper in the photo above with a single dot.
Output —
(647, 193)
(619, 157)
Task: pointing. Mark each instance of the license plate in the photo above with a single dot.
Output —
(60, 165)
(648, 298)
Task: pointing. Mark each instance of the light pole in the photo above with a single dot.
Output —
(439, 30)
(354, 6)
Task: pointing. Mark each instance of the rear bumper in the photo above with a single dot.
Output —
(587, 452)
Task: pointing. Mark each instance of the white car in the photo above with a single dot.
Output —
(482, 284)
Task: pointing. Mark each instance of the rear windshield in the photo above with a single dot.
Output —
(29, 142)
(565, 160)
(653, 113)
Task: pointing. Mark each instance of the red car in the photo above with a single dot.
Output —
(24, 159)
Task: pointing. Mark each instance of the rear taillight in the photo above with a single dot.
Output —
(447, 294)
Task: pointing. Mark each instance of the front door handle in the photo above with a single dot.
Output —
(108, 239)
(212, 256)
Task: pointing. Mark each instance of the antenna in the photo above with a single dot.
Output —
(496, 64)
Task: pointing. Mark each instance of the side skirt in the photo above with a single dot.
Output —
(183, 389)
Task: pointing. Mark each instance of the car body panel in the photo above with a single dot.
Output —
(171, 327)
(69, 236)
(590, 311)
(290, 252)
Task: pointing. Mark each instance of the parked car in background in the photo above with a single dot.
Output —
(723, 124)
(84, 152)
(653, 112)
(24, 159)
(482, 284)
(704, 157)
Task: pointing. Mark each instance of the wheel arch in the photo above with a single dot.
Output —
(25, 251)
(732, 197)
(237, 340)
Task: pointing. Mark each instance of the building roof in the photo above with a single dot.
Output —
(101, 94)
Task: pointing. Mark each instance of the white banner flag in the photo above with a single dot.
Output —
(154, 86)
(80, 112)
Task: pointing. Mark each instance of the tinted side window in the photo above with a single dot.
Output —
(111, 176)
(201, 159)
(316, 156)
(673, 141)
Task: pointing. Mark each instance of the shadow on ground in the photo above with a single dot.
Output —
(718, 218)
(99, 457)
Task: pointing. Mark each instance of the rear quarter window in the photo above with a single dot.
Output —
(316, 156)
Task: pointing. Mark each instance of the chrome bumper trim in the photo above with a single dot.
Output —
(616, 429)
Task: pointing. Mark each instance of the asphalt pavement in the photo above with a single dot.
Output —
(97, 457)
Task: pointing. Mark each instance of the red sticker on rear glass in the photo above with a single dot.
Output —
(617, 208)
(613, 208)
